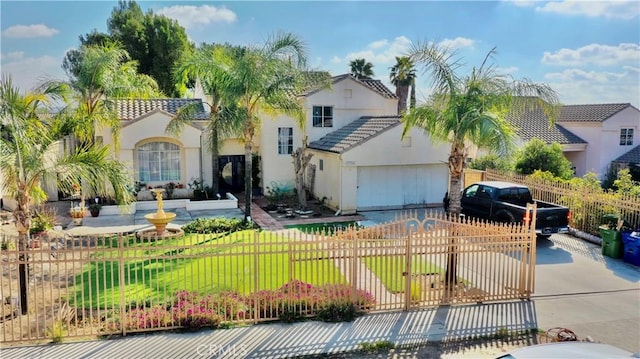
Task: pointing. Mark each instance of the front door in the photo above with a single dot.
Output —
(231, 173)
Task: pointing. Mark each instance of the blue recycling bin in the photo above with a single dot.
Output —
(631, 245)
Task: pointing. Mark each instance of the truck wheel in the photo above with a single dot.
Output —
(505, 216)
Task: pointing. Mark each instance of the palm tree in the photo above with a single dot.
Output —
(102, 73)
(253, 81)
(471, 110)
(28, 155)
(361, 68)
(403, 76)
(468, 111)
(224, 120)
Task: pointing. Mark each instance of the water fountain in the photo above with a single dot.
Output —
(160, 219)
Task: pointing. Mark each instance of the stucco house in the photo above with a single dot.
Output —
(591, 135)
(360, 158)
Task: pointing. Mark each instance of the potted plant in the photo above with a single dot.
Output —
(77, 213)
(94, 209)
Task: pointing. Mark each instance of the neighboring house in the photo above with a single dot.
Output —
(592, 136)
(360, 158)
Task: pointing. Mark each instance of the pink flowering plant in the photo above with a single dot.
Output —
(293, 301)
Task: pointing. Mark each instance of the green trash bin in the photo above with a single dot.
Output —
(612, 245)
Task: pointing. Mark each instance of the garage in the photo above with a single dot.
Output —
(399, 186)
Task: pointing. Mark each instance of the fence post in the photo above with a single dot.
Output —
(354, 265)
(122, 283)
(407, 273)
(256, 275)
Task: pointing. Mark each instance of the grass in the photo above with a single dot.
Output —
(155, 271)
(328, 228)
(389, 270)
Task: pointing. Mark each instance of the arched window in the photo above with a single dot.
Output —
(159, 161)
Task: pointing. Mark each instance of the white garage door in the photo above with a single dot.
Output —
(398, 186)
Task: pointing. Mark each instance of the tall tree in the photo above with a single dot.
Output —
(259, 81)
(471, 110)
(361, 68)
(100, 74)
(154, 41)
(28, 156)
(403, 76)
(225, 119)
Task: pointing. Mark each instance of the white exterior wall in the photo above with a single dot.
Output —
(328, 180)
(278, 169)
(151, 128)
(363, 102)
(388, 148)
(604, 139)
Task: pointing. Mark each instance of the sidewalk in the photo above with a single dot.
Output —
(279, 340)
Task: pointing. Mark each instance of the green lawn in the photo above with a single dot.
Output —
(155, 271)
(389, 270)
(324, 227)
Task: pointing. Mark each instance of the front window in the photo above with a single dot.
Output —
(322, 116)
(626, 137)
(285, 140)
(159, 161)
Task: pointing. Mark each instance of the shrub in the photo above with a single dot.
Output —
(490, 161)
(538, 155)
(42, 221)
(217, 225)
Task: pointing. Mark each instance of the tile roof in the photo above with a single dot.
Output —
(131, 109)
(633, 156)
(355, 133)
(590, 113)
(375, 85)
(535, 124)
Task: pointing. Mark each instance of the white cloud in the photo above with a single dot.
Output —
(27, 73)
(608, 9)
(594, 54)
(507, 70)
(522, 3)
(16, 55)
(382, 52)
(336, 60)
(378, 44)
(191, 16)
(457, 43)
(577, 86)
(29, 31)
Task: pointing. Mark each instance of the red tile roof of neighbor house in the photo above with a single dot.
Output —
(355, 133)
(131, 109)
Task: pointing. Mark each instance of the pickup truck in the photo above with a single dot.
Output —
(506, 202)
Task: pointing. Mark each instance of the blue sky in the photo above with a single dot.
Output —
(589, 52)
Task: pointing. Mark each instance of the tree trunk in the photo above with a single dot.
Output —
(248, 185)
(22, 216)
(402, 92)
(300, 163)
(412, 102)
(456, 166)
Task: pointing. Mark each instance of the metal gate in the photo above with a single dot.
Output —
(438, 260)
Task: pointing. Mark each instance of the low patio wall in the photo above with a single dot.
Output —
(229, 203)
